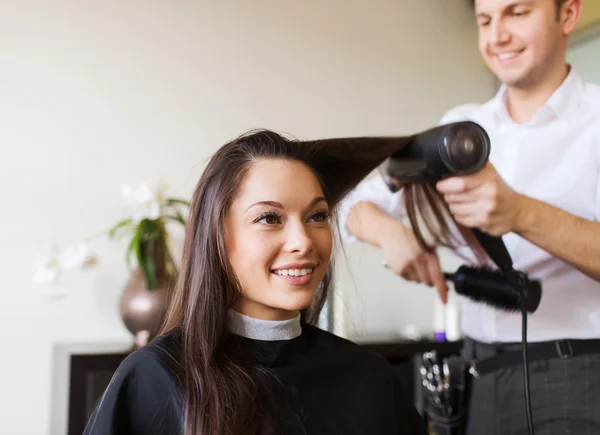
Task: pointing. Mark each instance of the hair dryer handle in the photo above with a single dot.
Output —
(495, 248)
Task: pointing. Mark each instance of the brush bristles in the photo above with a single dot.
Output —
(493, 288)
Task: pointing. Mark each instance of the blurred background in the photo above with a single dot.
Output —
(97, 95)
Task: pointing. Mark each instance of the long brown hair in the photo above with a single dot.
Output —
(222, 394)
(432, 222)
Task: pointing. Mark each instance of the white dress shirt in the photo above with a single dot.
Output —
(554, 158)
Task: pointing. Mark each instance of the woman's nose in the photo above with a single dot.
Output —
(298, 239)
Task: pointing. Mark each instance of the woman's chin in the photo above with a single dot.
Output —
(299, 300)
(285, 304)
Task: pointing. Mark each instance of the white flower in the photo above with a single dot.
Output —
(76, 257)
(47, 270)
(46, 274)
(145, 201)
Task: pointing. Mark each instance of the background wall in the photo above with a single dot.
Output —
(590, 15)
(97, 94)
(585, 56)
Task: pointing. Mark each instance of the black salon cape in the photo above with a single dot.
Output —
(335, 388)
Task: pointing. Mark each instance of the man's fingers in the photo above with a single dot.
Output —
(461, 198)
(465, 183)
(437, 276)
(422, 272)
(465, 209)
(409, 273)
(451, 185)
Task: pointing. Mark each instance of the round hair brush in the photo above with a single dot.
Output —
(504, 290)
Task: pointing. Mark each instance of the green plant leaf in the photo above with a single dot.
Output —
(172, 201)
(153, 230)
(151, 277)
(130, 250)
(143, 244)
(137, 244)
(139, 251)
(148, 232)
(179, 218)
(120, 225)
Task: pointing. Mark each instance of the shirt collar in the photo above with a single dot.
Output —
(564, 99)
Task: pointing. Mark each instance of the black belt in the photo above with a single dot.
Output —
(562, 349)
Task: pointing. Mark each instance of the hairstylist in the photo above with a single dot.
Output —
(541, 192)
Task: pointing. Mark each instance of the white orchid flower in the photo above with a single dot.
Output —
(76, 257)
(46, 274)
(145, 201)
(47, 270)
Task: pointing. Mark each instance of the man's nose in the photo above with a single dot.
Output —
(498, 33)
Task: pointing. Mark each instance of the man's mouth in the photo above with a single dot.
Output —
(509, 56)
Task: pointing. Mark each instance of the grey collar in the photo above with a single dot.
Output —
(267, 330)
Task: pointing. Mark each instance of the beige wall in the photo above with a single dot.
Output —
(590, 14)
(97, 94)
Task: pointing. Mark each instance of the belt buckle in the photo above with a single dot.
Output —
(473, 370)
(564, 349)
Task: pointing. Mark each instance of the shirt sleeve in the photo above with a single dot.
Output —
(376, 191)
(373, 190)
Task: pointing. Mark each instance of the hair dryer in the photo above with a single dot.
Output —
(453, 149)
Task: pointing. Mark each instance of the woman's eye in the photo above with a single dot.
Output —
(269, 219)
(320, 216)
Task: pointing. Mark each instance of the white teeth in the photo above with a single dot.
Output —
(293, 272)
(505, 56)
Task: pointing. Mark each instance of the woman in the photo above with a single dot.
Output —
(238, 353)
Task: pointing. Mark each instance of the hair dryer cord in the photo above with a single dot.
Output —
(520, 281)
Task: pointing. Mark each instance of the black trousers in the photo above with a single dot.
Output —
(565, 395)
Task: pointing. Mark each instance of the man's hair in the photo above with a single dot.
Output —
(559, 4)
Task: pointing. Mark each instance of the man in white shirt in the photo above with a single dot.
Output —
(541, 193)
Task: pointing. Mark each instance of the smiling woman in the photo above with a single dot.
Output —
(239, 353)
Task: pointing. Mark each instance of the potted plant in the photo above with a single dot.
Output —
(153, 271)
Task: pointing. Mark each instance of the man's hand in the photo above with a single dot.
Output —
(404, 256)
(483, 200)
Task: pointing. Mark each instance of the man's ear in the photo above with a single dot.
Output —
(569, 15)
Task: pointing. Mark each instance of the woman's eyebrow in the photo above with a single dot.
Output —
(278, 204)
